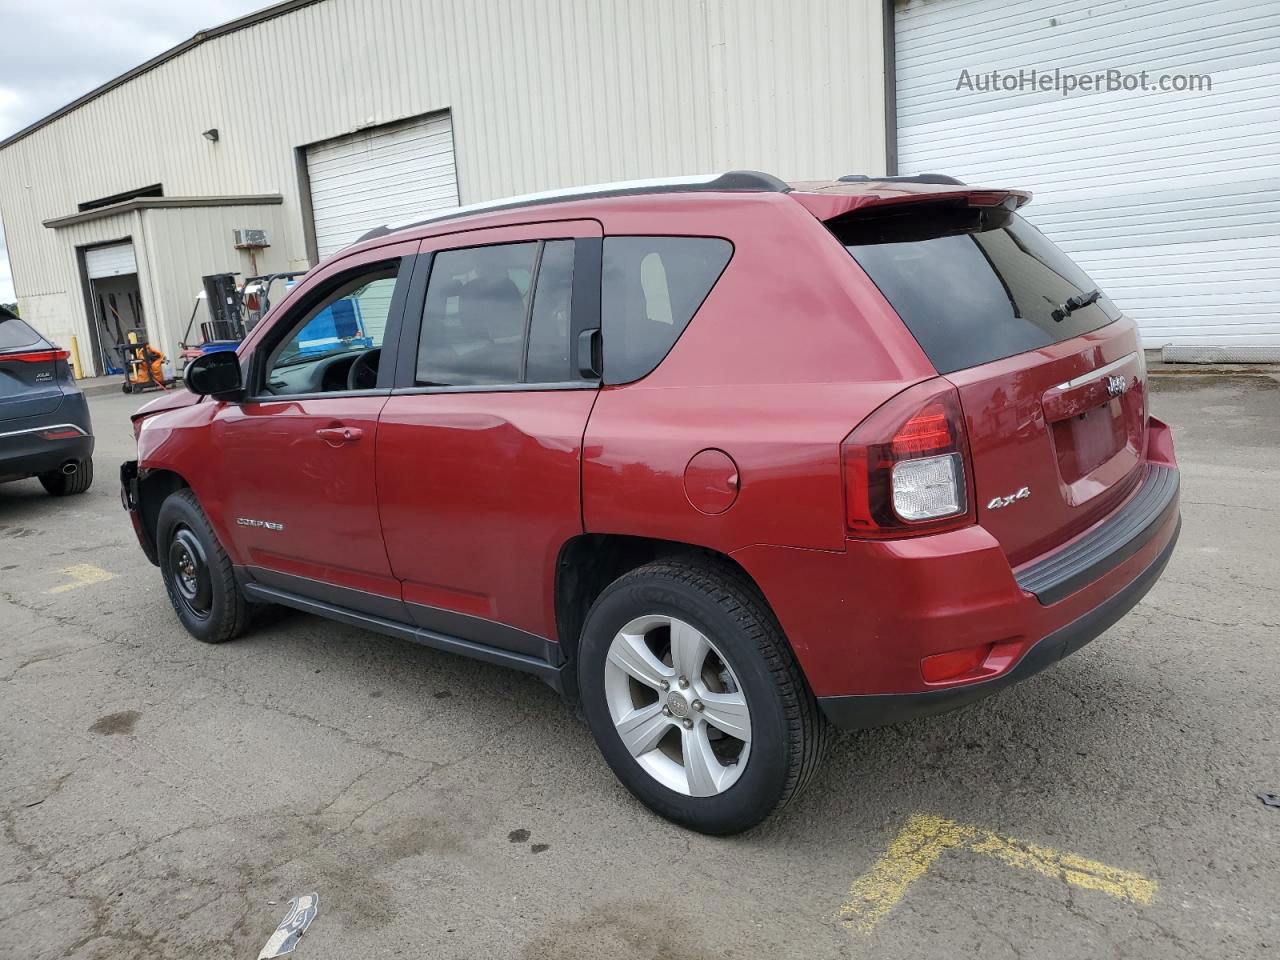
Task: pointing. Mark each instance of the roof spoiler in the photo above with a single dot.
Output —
(938, 178)
(829, 206)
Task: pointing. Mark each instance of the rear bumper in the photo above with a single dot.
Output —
(874, 710)
(862, 620)
(28, 451)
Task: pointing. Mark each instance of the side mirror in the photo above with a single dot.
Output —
(214, 374)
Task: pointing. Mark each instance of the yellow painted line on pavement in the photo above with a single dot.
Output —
(909, 857)
(925, 837)
(1076, 870)
(81, 574)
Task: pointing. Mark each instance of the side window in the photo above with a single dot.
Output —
(473, 319)
(344, 328)
(498, 315)
(651, 288)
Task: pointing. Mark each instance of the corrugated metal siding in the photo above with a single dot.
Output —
(542, 94)
(185, 244)
(392, 174)
(1171, 201)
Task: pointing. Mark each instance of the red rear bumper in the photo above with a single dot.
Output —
(862, 620)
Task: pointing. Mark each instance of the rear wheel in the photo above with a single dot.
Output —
(694, 697)
(60, 484)
(197, 572)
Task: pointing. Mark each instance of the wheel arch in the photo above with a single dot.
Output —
(155, 486)
(589, 562)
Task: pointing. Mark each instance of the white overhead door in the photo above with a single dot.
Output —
(383, 176)
(1170, 199)
(113, 261)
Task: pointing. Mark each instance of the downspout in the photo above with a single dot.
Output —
(889, 44)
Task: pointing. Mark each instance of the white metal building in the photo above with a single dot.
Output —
(1170, 199)
(336, 116)
(316, 120)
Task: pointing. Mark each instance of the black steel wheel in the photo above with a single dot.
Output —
(189, 570)
(198, 574)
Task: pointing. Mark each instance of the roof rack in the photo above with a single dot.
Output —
(916, 178)
(743, 180)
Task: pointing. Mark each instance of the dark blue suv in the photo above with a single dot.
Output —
(44, 418)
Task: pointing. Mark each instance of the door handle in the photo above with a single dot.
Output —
(339, 434)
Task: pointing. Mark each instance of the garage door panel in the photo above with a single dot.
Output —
(1237, 91)
(1159, 36)
(1253, 258)
(1137, 233)
(378, 209)
(1242, 291)
(1180, 201)
(1163, 119)
(1004, 24)
(939, 98)
(419, 151)
(1170, 200)
(393, 174)
(116, 260)
(382, 137)
(387, 181)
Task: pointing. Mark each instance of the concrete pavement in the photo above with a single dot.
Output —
(162, 798)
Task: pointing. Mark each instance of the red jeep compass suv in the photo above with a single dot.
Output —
(726, 460)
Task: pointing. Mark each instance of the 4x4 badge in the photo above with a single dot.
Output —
(999, 502)
(1116, 386)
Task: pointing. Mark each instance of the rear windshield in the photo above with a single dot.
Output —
(973, 285)
(14, 333)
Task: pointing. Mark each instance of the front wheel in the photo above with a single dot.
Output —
(694, 697)
(197, 572)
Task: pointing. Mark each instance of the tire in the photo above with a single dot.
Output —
(58, 484)
(786, 734)
(197, 572)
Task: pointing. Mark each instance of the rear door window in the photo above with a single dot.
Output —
(473, 322)
(499, 315)
(974, 286)
(651, 288)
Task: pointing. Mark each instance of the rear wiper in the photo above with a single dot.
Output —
(1074, 303)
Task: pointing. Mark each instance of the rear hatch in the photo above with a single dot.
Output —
(29, 376)
(1050, 374)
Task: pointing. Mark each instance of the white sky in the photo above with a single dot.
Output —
(55, 50)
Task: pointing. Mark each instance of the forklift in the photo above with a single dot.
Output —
(234, 309)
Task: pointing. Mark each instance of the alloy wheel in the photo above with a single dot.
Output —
(677, 705)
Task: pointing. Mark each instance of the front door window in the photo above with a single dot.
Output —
(336, 345)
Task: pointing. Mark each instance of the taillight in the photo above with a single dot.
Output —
(38, 356)
(906, 466)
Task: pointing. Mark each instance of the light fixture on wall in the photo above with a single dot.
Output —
(211, 134)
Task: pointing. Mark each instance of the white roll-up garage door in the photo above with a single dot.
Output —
(386, 175)
(113, 261)
(1169, 198)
